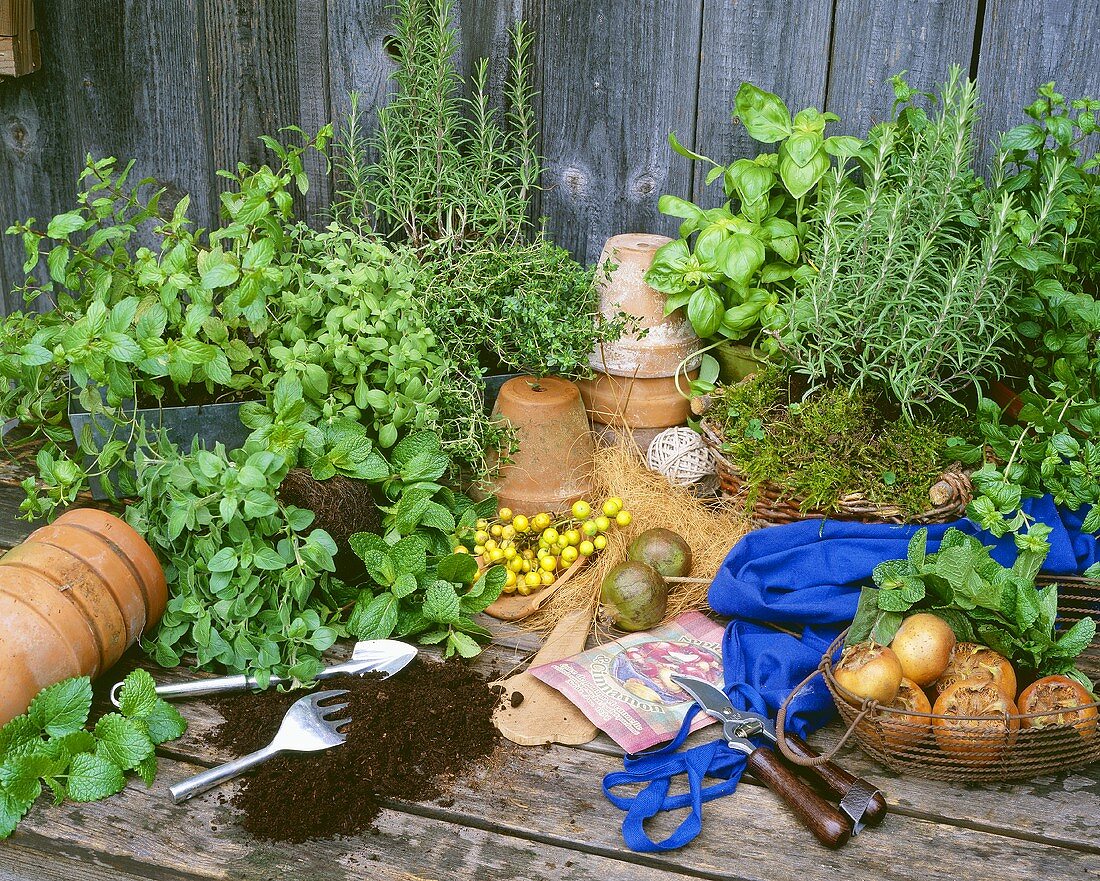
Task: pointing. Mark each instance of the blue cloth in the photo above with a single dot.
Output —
(805, 577)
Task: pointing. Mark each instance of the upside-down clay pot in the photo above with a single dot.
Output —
(73, 597)
(635, 383)
(553, 466)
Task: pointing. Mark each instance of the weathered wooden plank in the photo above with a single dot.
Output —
(484, 32)
(615, 78)
(1026, 43)
(779, 46)
(22, 863)
(267, 69)
(358, 61)
(141, 832)
(12, 529)
(873, 41)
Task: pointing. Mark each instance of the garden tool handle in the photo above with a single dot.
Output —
(836, 780)
(828, 825)
(212, 777)
(200, 687)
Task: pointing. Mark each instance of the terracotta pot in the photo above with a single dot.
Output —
(667, 340)
(636, 403)
(73, 597)
(553, 466)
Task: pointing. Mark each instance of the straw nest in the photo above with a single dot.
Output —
(709, 527)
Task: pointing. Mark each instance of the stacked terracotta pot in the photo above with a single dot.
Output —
(73, 597)
(635, 387)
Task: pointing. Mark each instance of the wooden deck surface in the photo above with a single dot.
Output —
(538, 813)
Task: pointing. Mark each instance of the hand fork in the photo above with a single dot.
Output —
(307, 727)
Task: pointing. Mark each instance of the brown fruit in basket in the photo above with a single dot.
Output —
(869, 671)
(923, 645)
(1064, 700)
(901, 731)
(969, 660)
(979, 740)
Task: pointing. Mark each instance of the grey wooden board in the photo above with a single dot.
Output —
(1026, 43)
(615, 79)
(746, 41)
(873, 41)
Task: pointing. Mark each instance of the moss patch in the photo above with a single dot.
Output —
(833, 443)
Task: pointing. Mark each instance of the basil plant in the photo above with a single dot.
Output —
(746, 252)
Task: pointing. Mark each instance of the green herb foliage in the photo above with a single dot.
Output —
(979, 598)
(746, 252)
(449, 169)
(50, 744)
(249, 580)
(919, 270)
(418, 587)
(834, 443)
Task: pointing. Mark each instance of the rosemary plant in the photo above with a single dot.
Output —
(446, 168)
(919, 271)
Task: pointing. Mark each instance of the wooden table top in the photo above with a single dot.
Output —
(538, 813)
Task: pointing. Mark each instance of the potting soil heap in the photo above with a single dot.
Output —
(409, 735)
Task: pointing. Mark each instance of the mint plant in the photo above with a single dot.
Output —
(50, 744)
(979, 598)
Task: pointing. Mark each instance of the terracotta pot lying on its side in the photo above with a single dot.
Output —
(553, 466)
(73, 597)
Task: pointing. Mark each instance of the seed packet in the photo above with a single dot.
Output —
(625, 687)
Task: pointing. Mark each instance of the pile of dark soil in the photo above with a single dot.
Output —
(342, 505)
(409, 735)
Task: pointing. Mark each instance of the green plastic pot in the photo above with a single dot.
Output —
(736, 361)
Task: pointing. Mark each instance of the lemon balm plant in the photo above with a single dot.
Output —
(732, 263)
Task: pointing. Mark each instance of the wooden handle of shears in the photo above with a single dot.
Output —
(835, 780)
(830, 826)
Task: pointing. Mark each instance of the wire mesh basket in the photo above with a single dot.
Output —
(983, 748)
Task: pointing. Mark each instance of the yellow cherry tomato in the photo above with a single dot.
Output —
(532, 579)
(599, 542)
(496, 555)
(540, 521)
(524, 590)
(504, 514)
(590, 528)
(481, 536)
(496, 530)
(572, 536)
(586, 548)
(623, 518)
(520, 523)
(550, 534)
(490, 544)
(510, 579)
(509, 531)
(515, 564)
(603, 524)
(581, 509)
(510, 553)
(569, 554)
(479, 550)
(462, 549)
(482, 524)
(528, 554)
(548, 563)
(547, 579)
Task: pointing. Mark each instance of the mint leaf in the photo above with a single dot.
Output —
(62, 708)
(121, 742)
(147, 770)
(19, 734)
(375, 619)
(460, 568)
(138, 695)
(12, 811)
(463, 644)
(162, 723)
(19, 775)
(441, 603)
(92, 777)
(78, 742)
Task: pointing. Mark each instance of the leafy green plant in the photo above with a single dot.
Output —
(1051, 447)
(449, 169)
(919, 271)
(249, 580)
(139, 325)
(979, 598)
(419, 589)
(742, 260)
(50, 744)
(833, 444)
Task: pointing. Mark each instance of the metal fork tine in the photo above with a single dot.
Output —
(336, 723)
(329, 709)
(319, 696)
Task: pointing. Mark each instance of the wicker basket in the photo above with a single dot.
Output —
(772, 504)
(903, 740)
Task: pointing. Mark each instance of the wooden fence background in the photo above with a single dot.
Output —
(186, 86)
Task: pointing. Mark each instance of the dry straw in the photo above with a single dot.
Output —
(710, 527)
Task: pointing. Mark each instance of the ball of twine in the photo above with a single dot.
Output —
(681, 456)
